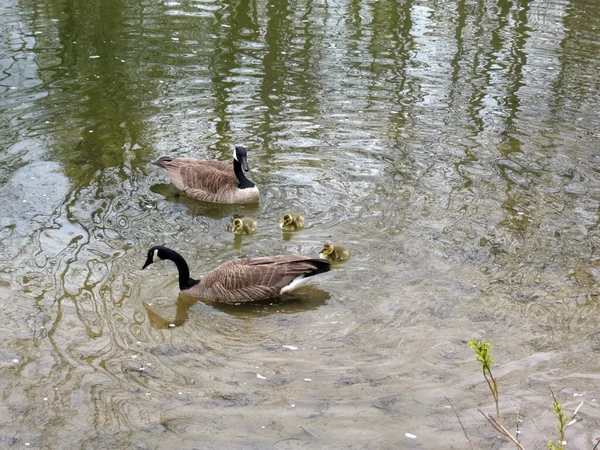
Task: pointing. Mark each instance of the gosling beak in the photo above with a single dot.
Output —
(147, 263)
(244, 163)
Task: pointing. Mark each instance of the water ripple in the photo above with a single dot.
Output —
(449, 146)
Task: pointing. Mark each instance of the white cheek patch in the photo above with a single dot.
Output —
(235, 154)
(155, 258)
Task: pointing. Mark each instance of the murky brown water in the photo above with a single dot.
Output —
(453, 146)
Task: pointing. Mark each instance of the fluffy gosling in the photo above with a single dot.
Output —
(291, 222)
(334, 252)
(244, 225)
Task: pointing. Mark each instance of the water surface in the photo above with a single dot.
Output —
(451, 145)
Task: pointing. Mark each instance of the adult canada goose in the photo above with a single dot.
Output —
(291, 222)
(244, 225)
(335, 252)
(212, 181)
(243, 280)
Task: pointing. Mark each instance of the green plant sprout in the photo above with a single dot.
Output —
(482, 349)
(562, 423)
(484, 357)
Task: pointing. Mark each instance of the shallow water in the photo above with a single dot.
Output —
(451, 145)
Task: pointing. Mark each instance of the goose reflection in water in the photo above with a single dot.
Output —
(306, 298)
(196, 208)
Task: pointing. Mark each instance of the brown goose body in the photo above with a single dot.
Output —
(212, 181)
(244, 280)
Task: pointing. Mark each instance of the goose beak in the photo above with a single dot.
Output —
(147, 263)
(244, 163)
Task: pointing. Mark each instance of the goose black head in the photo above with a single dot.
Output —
(240, 154)
(155, 254)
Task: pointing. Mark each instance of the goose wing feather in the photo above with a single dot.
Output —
(204, 175)
(252, 279)
(204, 182)
(219, 165)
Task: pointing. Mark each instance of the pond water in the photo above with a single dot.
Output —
(452, 146)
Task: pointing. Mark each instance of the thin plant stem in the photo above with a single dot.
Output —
(516, 410)
(500, 429)
(460, 421)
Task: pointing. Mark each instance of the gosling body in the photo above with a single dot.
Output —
(243, 280)
(244, 225)
(335, 252)
(212, 181)
(291, 222)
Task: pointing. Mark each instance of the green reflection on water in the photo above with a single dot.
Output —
(451, 145)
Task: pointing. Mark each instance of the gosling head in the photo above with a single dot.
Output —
(237, 225)
(156, 254)
(240, 154)
(327, 249)
(286, 221)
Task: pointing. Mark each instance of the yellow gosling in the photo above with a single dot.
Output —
(244, 225)
(291, 222)
(335, 252)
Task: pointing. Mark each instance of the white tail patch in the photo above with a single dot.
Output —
(294, 284)
(155, 258)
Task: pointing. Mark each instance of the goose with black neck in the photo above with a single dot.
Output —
(210, 180)
(243, 280)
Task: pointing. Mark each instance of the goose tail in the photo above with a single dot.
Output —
(160, 162)
(321, 266)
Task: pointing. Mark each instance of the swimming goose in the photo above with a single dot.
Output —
(335, 252)
(244, 225)
(291, 222)
(212, 181)
(243, 280)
